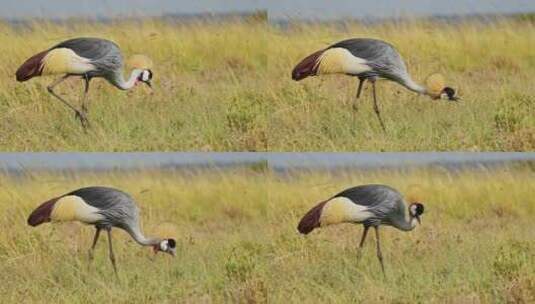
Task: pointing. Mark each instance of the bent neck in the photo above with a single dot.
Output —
(120, 83)
(406, 225)
(141, 239)
(413, 86)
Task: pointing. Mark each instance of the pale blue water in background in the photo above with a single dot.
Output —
(27, 162)
(277, 9)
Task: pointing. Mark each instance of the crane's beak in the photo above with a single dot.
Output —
(418, 219)
(149, 84)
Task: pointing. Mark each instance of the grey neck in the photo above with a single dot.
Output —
(406, 225)
(118, 80)
(413, 86)
(141, 239)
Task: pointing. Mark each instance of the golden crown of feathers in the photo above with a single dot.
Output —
(435, 83)
(165, 230)
(415, 193)
(139, 61)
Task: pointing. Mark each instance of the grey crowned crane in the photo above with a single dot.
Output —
(88, 58)
(369, 205)
(368, 59)
(104, 208)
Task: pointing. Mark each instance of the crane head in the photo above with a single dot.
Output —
(436, 88)
(416, 210)
(145, 76)
(167, 246)
(449, 93)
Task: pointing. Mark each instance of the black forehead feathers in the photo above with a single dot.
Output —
(449, 91)
(419, 208)
(150, 74)
(171, 243)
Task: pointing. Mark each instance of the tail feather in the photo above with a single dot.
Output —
(311, 220)
(307, 67)
(42, 213)
(31, 67)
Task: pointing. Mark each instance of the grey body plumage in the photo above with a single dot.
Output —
(370, 205)
(94, 57)
(385, 202)
(105, 55)
(103, 207)
(382, 56)
(117, 207)
(370, 60)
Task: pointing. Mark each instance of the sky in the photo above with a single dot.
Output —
(277, 9)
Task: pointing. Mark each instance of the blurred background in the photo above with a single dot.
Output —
(278, 9)
(234, 218)
(18, 163)
(243, 99)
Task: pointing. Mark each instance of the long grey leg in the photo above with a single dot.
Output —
(112, 256)
(376, 107)
(359, 90)
(355, 105)
(84, 97)
(361, 244)
(95, 239)
(83, 113)
(379, 254)
(50, 89)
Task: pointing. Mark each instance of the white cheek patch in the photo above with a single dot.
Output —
(145, 76)
(413, 209)
(164, 246)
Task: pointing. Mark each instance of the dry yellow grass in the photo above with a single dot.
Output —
(205, 78)
(226, 87)
(491, 65)
(237, 240)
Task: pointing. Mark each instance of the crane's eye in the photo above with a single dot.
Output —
(416, 209)
(450, 93)
(419, 209)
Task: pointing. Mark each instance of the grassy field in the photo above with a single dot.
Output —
(205, 97)
(227, 87)
(237, 241)
(491, 65)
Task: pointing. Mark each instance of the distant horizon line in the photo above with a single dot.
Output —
(263, 13)
(275, 161)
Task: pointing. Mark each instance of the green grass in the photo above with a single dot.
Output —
(491, 66)
(205, 90)
(237, 241)
(227, 87)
